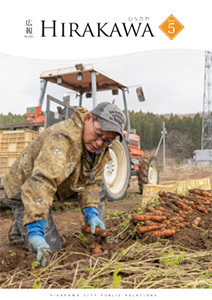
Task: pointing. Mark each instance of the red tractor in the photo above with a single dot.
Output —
(34, 115)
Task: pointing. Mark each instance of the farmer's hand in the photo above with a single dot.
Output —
(95, 221)
(40, 249)
(37, 241)
(92, 218)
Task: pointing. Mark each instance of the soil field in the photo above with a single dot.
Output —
(127, 260)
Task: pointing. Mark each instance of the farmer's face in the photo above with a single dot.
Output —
(94, 137)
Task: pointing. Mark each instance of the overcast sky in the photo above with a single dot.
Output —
(172, 80)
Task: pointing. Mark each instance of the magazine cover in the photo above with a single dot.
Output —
(105, 149)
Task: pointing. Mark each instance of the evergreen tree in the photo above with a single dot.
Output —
(12, 119)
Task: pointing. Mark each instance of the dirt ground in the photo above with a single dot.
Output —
(69, 220)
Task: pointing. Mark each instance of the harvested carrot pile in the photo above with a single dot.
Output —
(174, 212)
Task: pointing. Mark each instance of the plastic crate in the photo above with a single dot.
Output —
(185, 185)
(6, 161)
(1, 133)
(150, 191)
(16, 141)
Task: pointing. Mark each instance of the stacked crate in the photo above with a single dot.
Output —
(11, 145)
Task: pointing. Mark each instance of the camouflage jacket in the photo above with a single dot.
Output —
(55, 165)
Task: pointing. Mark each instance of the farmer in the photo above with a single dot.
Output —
(66, 158)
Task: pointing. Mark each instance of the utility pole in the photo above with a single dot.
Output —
(206, 142)
(163, 138)
(164, 132)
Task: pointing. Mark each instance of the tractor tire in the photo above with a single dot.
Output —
(118, 172)
(148, 171)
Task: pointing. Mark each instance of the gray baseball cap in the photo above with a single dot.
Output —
(110, 117)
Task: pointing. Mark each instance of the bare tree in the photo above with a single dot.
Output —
(180, 144)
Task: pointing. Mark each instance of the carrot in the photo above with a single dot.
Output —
(177, 219)
(202, 208)
(98, 231)
(143, 229)
(145, 217)
(182, 196)
(183, 224)
(196, 221)
(180, 219)
(190, 202)
(171, 205)
(200, 192)
(151, 223)
(176, 224)
(200, 197)
(158, 212)
(195, 191)
(161, 199)
(153, 210)
(205, 193)
(172, 196)
(96, 250)
(180, 204)
(161, 208)
(150, 208)
(158, 218)
(162, 194)
(207, 202)
(167, 222)
(140, 218)
(192, 198)
(165, 210)
(189, 212)
(187, 201)
(164, 233)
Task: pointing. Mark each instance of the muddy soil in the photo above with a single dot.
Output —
(69, 220)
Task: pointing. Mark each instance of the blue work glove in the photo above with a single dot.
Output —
(37, 241)
(92, 218)
(41, 249)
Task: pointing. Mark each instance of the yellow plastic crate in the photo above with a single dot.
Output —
(6, 161)
(150, 191)
(1, 133)
(16, 141)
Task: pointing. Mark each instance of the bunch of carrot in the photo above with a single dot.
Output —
(100, 235)
(174, 212)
